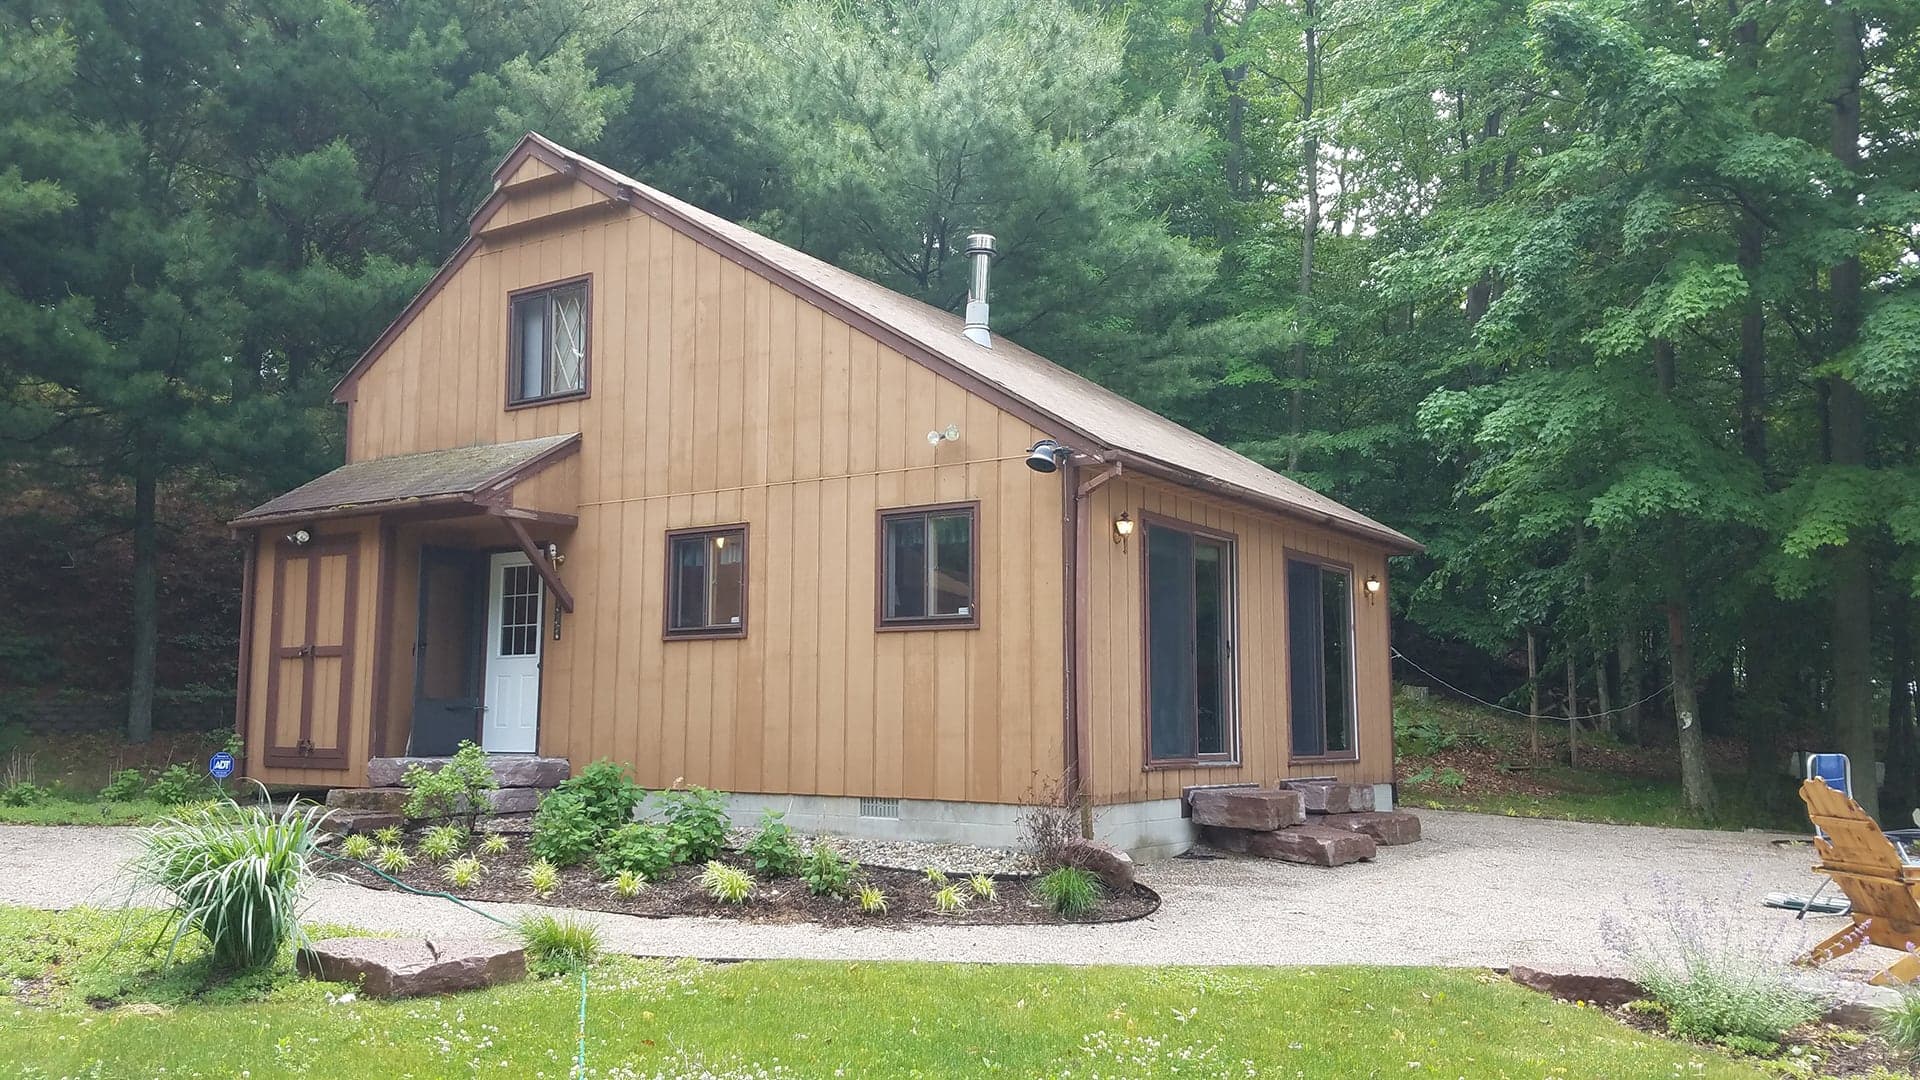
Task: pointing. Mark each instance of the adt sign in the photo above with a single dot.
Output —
(220, 765)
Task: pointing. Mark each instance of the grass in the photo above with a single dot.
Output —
(1616, 784)
(68, 810)
(808, 1019)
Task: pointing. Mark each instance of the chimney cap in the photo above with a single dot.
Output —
(979, 243)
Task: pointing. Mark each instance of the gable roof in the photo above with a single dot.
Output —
(464, 474)
(1071, 408)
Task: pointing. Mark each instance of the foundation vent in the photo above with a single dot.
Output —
(880, 808)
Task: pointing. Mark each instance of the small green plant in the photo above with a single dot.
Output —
(983, 887)
(627, 884)
(1715, 986)
(774, 851)
(392, 858)
(1452, 779)
(494, 844)
(181, 785)
(464, 872)
(949, 900)
(460, 787)
(557, 944)
(696, 824)
(935, 876)
(607, 792)
(872, 900)
(1901, 1024)
(388, 836)
(443, 842)
(826, 871)
(639, 846)
(543, 877)
(1069, 891)
(563, 831)
(358, 846)
(24, 793)
(125, 786)
(235, 874)
(726, 884)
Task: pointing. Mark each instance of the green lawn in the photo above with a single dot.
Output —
(686, 1019)
(61, 810)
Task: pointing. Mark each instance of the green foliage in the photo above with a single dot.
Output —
(826, 871)
(181, 784)
(392, 858)
(557, 944)
(983, 887)
(608, 793)
(464, 872)
(460, 786)
(1069, 891)
(628, 884)
(1714, 985)
(774, 850)
(494, 844)
(443, 842)
(542, 877)
(24, 793)
(388, 835)
(1901, 1023)
(935, 876)
(696, 822)
(358, 846)
(872, 900)
(125, 786)
(564, 832)
(637, 847)
(949, 900)
(726, 884)
(235, 876)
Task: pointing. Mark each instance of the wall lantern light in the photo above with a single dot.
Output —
(1373, 587)
(1047, 456)
(1122, 528)
(299, 538)
(554, 556)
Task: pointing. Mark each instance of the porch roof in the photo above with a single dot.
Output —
(478, 476)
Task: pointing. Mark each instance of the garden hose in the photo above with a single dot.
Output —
(580, 1051)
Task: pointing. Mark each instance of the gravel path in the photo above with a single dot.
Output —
(1478, 891)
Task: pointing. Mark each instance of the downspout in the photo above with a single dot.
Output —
(1079, 741)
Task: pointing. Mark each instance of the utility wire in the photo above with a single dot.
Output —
(1517, 712)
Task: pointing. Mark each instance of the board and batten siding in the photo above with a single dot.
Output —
(1116, 660)
(716, 397)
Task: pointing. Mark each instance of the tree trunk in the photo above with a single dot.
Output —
(1852, 589)
(1603, 699)
(1628, 648)
(1696, 780)
(1573, 712)
(1903, 740)
(1533, 690)
(146, 574)
(1309, 232)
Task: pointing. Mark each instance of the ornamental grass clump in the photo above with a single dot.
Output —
(443, 842)
(358, 846)
(236, 876)
(872, 900)
(1901, 1024)
(543, 878)
(392, 859)
(494, 844)
(726, 884)
(557, 944)
(1069, 891)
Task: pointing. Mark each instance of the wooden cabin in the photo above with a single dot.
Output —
(630, 481)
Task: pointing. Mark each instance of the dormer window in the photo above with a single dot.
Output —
(547, 343)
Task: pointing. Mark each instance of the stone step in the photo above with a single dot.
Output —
(1332, 797)
(411, 967)
(1314, 845)
(1248, 808)
(347, 822)
(393, 800)
(1385, 826)
(509, 770)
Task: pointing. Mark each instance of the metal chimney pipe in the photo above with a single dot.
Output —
(980, 250)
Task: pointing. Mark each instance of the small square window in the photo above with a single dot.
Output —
(707, 582)
(547, 343)
(928, 567)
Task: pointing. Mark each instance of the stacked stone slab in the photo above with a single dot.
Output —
(522, 780)
(1319, 823)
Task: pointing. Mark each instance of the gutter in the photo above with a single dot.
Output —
(1078, 740)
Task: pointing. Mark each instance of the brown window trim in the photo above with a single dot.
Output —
(1292, 555)
(969, 621)
(1231, 757)
(708, 633)
(586, 345)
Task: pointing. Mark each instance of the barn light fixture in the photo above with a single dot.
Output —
(1122, 528)
(1373, 587)
(1047, 456)
(299, 538)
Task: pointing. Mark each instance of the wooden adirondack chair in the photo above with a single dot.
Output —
(1885, 891)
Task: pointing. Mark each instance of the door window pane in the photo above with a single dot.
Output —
(519, 631)
(1210, 646)
(707, 582)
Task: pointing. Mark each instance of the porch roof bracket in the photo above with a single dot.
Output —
(549, 573)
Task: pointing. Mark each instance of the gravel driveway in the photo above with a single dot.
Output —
(1478, 891)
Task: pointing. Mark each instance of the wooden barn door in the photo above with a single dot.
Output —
(316, 590)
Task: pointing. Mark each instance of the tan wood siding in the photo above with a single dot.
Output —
(716, 397)
(1116, 657)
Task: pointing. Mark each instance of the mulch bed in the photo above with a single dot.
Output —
(1835, 1051)
(786, 900)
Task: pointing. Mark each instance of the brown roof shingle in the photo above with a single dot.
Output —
(383, 483)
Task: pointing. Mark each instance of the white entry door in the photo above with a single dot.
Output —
(513, 656)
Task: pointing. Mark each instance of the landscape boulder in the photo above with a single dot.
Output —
(1112, 866)
(1332, 797)
(410, 967)
(1314, 845)
(1385, 826)
(1247, 808)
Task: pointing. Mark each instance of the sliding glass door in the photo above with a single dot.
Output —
(1189, 630)
(1320, 656)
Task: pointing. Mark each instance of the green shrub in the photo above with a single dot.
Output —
(1901, 1024)
(872, 900)
(443, 842)
(125, 786)
(725, 884)
(563, 832)
(948, 900)
(464, 872)
(640, 847)
(1069, 891)
(557, 944)
(983, 887)
(235, 874)
(358, 846)
(24, 793)
(608, 793)
(461, 786)
(1715, 986)
(774, 851)
(182, 784)
(696, 824)
(392, 859)
(826, 871)
(494, 844)
(543, 877)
